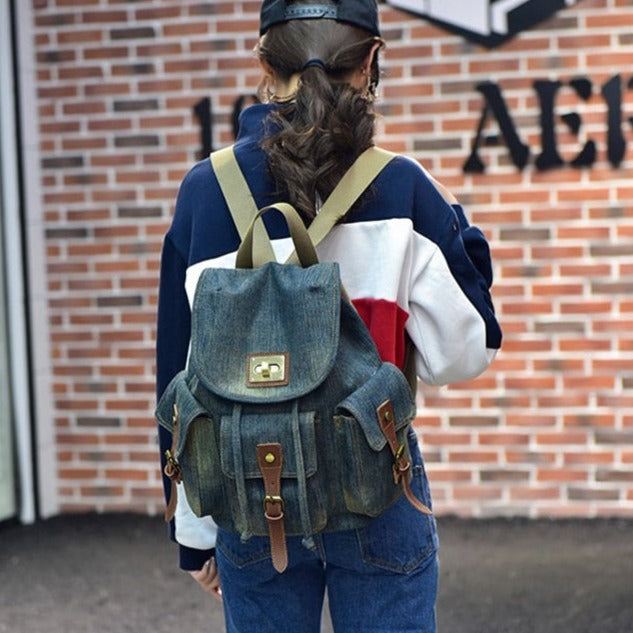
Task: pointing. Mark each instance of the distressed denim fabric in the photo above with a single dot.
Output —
(337, 466)
(381, 578)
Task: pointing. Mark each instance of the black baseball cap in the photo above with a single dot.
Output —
(360, 13)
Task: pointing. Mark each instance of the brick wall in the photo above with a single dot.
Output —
(548, 431)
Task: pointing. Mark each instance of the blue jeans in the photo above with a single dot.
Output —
(380, 579)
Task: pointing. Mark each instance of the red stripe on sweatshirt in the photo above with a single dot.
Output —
(385, 321)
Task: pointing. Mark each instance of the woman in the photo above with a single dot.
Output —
(409, 261)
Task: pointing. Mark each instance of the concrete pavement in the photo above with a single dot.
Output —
(117, 573)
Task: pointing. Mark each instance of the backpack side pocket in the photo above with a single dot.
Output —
(196, 453)
(367, 462)
(199, 458)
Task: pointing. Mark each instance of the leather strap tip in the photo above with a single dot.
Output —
(169, 515)
(280, 565)
(170, 510)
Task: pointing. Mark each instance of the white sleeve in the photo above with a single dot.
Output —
(448, 332)
(193, 531)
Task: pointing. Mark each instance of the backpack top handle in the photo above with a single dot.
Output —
(253, 254)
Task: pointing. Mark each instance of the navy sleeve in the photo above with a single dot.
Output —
(174, 318)
(172, 345)
(172, 339)
(476, 245)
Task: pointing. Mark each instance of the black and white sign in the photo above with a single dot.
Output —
(486, 22)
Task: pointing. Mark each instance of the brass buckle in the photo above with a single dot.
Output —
(172, 469)
(273, 500)
(399, 468)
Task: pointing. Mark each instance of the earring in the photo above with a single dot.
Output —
(372, 88)
(369, 91)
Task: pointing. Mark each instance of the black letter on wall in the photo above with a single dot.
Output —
(204, 113)
(495, 104)
(549, 157)
(616, 145)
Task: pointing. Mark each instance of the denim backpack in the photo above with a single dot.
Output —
(285, 420)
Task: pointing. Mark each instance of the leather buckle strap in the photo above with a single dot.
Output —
(173, 470)
(401, 465)
(270, 462)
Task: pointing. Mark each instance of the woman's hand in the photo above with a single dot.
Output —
(209, 579)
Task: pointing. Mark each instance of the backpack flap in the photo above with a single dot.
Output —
(265, 335)
(178, 395)
(363, 404)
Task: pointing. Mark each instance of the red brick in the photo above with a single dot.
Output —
(503, 439)
(524, 493)
(442, 474)
(77, 473)
(160, 49)
(103, 17)
(478, 494)
(588, 457)
(101, 491)
(127, 474)
(526, 346)
(137, 177)
(181, 29)
(561, 475)
(563, 401)
(120, 369)
(590, 420)
(106, 53)
(473, 455)
(79, 36)
(585, 307)
(564, 438)
(540, 457)
(584, 345)
(537, 383)
(160, 85)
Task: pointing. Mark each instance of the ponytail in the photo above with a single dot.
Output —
(319, 133)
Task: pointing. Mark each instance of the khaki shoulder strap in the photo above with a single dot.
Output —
(243, 207)
(239, 199)
(349, 189)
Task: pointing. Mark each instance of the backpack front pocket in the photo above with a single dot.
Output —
(295, 432)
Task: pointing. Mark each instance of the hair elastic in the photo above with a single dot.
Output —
(315, 63)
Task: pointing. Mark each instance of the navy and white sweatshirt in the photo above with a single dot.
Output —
(409, 260)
